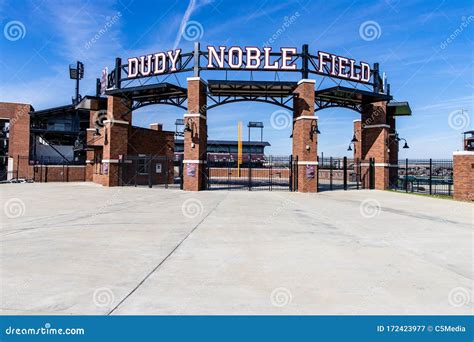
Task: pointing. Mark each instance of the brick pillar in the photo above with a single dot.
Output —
(19, 145)
(374, 137)
(156, 126)
(115, 138)
(463, 175)
(116, 134)
(90, 154)
(358, 136)
(392, 153)
(305, 142)
(195, 139)
(118, 108)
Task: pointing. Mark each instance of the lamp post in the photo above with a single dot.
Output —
(76, 73)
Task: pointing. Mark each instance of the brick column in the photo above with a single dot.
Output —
(195, 139)
(358, 135)
(90, 154)
(305, 142)
(463, 175)
(118, 108)
(19, 140)
(392, 153)
(115, 134)
(374, 137)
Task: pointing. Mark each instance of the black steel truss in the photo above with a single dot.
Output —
(172, 101)
(276, 93)
(278, 101)
(323, 104)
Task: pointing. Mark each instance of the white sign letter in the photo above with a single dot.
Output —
(132, 67)
(253, 55)
(364, 72)
(321, 57)
(267, 65)
(232, 51)
(160, 63)
(145, 64)
(286, 57)
(212, 54)
(174, 58)
(342, 67)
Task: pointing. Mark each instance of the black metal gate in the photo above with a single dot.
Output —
(151, 171)
(345, 174)
(255, 172)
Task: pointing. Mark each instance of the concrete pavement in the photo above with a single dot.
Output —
(79, 248)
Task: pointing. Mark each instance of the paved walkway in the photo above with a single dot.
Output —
(82, 249)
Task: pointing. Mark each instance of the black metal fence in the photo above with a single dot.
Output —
(263, 173)
(426, 176)
(151, 171)
(340, 174)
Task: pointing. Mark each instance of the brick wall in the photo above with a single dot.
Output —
(19, 144)
(150, 141)
(58, 173)
(463, 177)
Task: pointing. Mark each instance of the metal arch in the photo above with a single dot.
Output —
(269, 100)
(320, 105)
(176, 102)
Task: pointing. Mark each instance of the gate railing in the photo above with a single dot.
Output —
(426, 176)
(255, 173)
(150, 170)
(338, 173)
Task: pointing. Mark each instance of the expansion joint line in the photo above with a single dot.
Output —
(163, 261)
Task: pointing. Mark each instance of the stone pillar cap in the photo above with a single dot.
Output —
(306, 80)
(463, 153)
(196, 78)
(116, 122)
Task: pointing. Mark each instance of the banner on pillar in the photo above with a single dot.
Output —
(191, 170)
(105, 169)
(310, 171)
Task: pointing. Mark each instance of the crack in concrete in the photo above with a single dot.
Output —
(165, 258)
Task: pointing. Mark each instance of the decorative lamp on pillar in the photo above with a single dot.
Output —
(353, 141)
(397, 139)
(314, 130)
(189, 126)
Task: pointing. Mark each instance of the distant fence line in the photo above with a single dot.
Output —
(424, 176)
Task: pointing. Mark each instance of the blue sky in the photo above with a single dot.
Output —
(425, 48)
